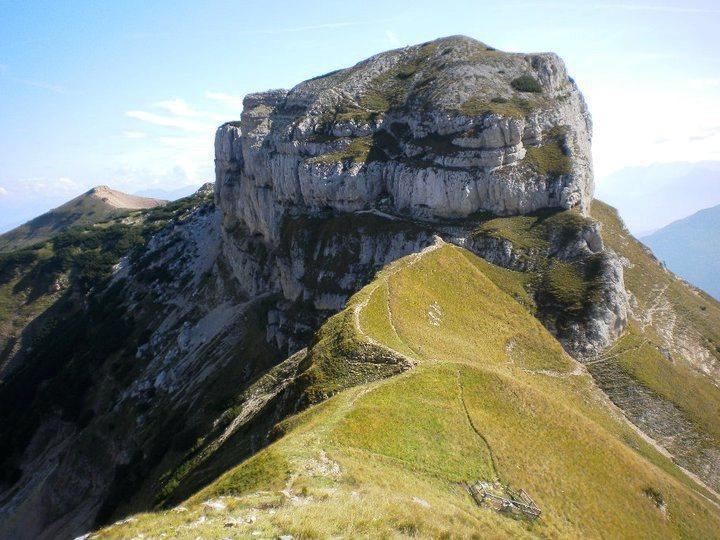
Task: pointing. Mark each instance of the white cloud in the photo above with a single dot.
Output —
(179, 107)
(134, 134)
(167, 121)
(3, 191)
(630, 127)
(178, 114)
(234, 102)
(703, 84)
(392, 38)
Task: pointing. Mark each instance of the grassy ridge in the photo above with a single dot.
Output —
(671, 348)
(491, 396)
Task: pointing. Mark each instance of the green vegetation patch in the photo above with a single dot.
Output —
(514, 108)
(431, 398)
(526, 83)
(524, 232)
(266, 470)
(376, 147)
(566, 284)
(390, 89)
(697, 396)
(566, 288)
(535, 231)
(550, 158)
(340, 358)
(359, 150)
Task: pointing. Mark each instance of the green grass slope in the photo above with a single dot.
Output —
(671, 348)
(436, 376)
(97, 205)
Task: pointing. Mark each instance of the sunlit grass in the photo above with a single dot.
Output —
(492, 396)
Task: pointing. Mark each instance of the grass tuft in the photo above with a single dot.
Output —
(526, 83)
(514, 108)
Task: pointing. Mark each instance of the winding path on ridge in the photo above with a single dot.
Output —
(579, 370)
(394, 268)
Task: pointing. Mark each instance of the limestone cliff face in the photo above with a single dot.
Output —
(440, 130)
(431, 136)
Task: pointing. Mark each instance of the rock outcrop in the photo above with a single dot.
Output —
(440, 130)
(432, 137)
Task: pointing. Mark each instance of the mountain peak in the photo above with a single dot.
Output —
(118, 199)
(438, 130)
(95, 205)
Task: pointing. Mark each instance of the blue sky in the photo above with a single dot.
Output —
(129, 93)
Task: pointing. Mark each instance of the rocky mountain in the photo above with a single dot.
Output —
(400, 313)
(99, 204)
(690, 247)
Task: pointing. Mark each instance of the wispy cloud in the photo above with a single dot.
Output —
(176, 106)
(179, 107)
(54, 88)
(181, 115)
(168, 121)
(134, 134)
(703, 84)
(234, 102)
(3, 191)
(653, 7)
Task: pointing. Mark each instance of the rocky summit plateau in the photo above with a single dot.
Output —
(398, 312)
(441, 130)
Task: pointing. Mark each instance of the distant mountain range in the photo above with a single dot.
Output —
(690, 247)
(99, 204)
(651, 197)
